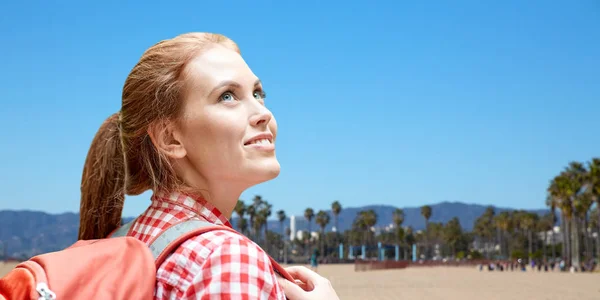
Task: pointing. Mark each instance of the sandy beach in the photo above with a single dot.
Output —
(453, 283)
(459, 283)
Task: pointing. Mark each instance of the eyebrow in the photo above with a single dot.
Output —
(232, 84)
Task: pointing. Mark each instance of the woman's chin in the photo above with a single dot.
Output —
(265, 170)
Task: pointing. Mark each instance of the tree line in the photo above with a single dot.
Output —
(574, 195)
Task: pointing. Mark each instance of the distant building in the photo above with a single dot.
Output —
(292, 227)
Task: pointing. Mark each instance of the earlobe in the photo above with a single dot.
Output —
(167, 139)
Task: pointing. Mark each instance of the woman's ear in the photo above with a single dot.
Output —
(167, 139)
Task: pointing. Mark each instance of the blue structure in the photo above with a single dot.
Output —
(381, 251)
(414, 252)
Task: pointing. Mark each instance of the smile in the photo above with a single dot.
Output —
(260, 141)
(263, 141)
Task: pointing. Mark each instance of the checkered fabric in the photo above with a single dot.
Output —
(214, 265)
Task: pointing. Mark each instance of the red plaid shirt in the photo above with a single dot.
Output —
(214, 265)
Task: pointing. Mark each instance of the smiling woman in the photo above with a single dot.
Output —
(194, 129)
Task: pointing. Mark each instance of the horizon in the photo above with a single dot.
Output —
(274, 216)
(392, 103)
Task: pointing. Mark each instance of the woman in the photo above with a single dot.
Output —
(194, 129)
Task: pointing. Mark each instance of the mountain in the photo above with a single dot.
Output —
(442, 212)
(26, 233)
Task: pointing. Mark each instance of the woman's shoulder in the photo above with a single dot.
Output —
(217, 246)
(219, 255)
(222, 241)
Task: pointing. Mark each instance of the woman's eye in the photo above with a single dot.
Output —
(259, 94)
(227, 96)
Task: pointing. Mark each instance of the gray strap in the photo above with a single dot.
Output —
(174, 232)
(122, 231)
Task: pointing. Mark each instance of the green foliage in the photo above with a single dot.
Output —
(474, 254)
(574, 193)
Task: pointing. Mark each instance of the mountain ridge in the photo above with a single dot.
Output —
(29, 232)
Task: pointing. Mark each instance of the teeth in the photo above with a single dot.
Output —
(261, 141)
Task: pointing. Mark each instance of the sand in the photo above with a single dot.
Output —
(453, 283)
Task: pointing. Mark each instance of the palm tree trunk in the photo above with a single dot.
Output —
(553, 246)
(564, 224)
(500, 246)
(498, 240)
(507, 242)
(266, 238)
(426, 239)
(569, 244)
(529, 238)
(335, 219)
(544, 245)
(575, 242)
(586, 239)
(598, 237)
(598, 232)
(322, 240)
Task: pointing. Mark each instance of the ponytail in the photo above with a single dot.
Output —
(102, 183)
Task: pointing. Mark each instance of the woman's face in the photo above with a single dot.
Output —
(227, 132)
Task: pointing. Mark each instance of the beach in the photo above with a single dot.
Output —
(453, 283)
(459, 283)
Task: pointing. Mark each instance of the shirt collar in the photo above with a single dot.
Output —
(194, 203)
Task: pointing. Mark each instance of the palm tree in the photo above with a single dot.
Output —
(484, 228)
(581, 207)
(528, 224)
(552, 203)
(400, 238)
(251, 211)
(398, 217)
(322, 219)
(261, 211)
(558, 199)
(243, 225)
(575, 174)
(546, 224)
(595, 223)
(259, 220)
(369, 218)
(502, 223)
(426, 213)
(309, 214)
(240, 210)
(593, 181)
(336, 208)
(364, 221)
(409, 240)
(265, 213)
(281, 217)
(451, 234)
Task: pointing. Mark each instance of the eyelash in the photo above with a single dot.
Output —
(261, 92)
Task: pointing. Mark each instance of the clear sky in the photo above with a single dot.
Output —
(381, 103)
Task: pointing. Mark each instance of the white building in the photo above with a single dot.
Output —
(292, 227)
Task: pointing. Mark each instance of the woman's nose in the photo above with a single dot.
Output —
(261, 117)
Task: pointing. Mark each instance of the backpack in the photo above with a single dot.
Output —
(118, 267)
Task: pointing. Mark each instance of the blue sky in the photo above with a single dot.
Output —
(383, 103)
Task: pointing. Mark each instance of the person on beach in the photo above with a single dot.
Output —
(193, 128)
(313, 260)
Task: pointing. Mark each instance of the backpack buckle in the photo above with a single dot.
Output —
(45, 292)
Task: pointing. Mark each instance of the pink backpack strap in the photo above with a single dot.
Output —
(170, 239)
